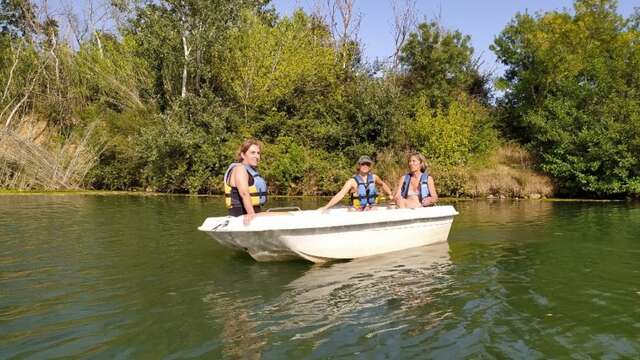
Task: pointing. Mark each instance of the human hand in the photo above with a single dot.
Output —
(246, 219)
(427, 201)
(323, 209)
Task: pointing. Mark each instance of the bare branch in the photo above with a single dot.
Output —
(25, 96)
(79, 31)
(404, 21)
(343, 22)
(13, 68)
(350, 21)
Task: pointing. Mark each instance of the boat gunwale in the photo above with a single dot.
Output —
(341, 228)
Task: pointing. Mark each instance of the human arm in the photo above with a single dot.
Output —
(397, 194)
(340, 195)
(241, 179)
(385, 187)
(433, 194)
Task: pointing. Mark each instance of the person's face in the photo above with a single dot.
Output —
(365, 168)
(414, 164)
(251, 156)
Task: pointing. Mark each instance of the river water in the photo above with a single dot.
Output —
(89, 276)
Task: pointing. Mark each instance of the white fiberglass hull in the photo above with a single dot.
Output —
(336, 234)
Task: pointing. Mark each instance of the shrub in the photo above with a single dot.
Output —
(188, 149)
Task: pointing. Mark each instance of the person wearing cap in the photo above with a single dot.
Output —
(362, 187)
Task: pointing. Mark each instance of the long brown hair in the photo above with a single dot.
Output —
(245, 147)
(423, 160)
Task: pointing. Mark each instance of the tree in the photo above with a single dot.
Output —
(404, 21)
(572, 89)
(266, 64)
(440, 64)
(18, 18)
(180, 38)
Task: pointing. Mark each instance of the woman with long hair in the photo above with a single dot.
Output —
(245, 190)
(416, 188)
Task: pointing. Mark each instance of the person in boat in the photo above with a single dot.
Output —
(363, 187)
(416, 188)
(245, 190)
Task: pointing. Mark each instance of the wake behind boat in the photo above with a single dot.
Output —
(332, 235)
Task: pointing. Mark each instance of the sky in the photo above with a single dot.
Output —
(482, 20)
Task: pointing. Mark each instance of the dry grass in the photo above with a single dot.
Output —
(509, 174)
(30, 160)
(391, 166)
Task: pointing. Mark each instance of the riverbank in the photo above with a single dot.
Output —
(282, 197)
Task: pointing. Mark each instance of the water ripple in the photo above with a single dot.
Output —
(130, 277)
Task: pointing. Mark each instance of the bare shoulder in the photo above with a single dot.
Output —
(239, 172)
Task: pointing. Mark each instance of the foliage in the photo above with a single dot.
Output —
(177, 36)
(451, 136)
(439, 64)
(120, 164)
(185, 149)
(112, 75)
(572, 94)
(444, 111)
(173, 93)
(292, 169)
(18, 18)
(266, 64)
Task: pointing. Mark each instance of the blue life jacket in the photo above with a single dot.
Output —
(424, 186)
(257, 188)
(367, 193)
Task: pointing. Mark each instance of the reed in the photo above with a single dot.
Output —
(32, 160)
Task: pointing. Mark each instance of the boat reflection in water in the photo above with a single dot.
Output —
(377, 292)
(331, 305)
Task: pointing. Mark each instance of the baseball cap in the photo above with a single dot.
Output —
(364, 159)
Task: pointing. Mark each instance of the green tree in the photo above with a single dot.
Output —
(572, 93)
(18, 18)
(267, 64)
(180, 38)
(440, 64)
(452, 136)
(189, 147)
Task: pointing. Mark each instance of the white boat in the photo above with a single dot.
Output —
(334, 234)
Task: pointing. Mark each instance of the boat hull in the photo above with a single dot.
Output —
(342, 241)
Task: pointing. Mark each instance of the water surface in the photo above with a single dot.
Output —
(131, 277)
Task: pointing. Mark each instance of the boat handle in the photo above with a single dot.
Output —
(222, 224)
(286, 208)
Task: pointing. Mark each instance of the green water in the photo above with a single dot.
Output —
(131, 277)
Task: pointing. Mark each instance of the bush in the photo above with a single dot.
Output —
(188, 149)
(452, 136)
(291, 169)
